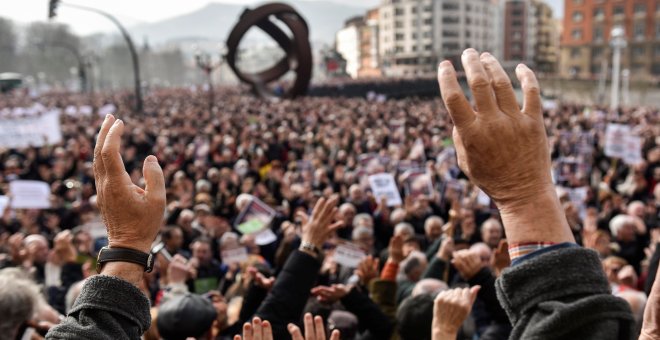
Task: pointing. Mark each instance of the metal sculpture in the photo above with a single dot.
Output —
(297, 48)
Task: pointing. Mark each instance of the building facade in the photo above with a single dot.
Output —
(348, 44)
(585, 49)
(530, 35)
(414, 35)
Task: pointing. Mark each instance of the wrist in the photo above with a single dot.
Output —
(145, 248)
(537, 218)
(127, 271)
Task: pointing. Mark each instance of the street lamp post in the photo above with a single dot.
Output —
(205, 63)
(131, 47)
(618, 42)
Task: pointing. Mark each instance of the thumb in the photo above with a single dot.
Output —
(473, 293)
(154, 179)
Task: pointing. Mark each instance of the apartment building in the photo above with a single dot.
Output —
(585, 41)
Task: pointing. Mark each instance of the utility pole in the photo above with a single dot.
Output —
(618, 42)
(52, 12)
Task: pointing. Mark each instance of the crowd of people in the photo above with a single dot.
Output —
(288, 155)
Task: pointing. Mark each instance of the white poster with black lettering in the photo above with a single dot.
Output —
(384, 185)
(348, 255)
(32, 131)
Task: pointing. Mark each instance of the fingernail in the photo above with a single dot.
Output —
(289, 326)
(152, 159)
(107, 116)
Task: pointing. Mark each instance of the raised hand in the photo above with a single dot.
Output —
(331, 294)
(314, 330)
(131, 214)
(503, 149)
(367, 270)
(64, 248)
(467, 263)
(317, 228)
(395, 249)
(258, 330)
(450, 310)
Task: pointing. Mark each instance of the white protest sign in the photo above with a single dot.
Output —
(384, 185)
(615, 140)
(29, 194)
(255, 217)
(34, 131)
(633, 150)
(4, 201)
(237, 255)
(265, 237)
(107, 109)
(348, 255)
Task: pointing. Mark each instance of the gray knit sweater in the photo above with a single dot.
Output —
(563, 294)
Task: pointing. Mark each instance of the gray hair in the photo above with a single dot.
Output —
(618, 222)
(429, 286)
(433, 219)
(72, 294)
(19, 298)
(359, 219)
(404, 227)
(361, 230)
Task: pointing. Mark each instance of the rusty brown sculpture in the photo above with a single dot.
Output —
(297, 48)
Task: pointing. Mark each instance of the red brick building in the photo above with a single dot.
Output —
(585, 42)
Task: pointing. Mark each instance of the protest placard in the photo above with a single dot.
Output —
(33, 131)
(236, 255)
(4, 202)
(384, 185)
(348, 255)
(633, 151)
(29, 194)
(615, 140)
(418, 183)
(264, 237)
(255, 217)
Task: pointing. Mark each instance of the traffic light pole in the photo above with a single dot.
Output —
(131, 48)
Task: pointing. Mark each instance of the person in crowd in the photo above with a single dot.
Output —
(308, 161)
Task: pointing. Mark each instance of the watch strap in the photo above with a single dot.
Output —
(108, 254)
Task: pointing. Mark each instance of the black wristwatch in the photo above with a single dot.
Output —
(108, 254)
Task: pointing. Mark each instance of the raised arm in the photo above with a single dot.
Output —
(110, 305)
(504, 150)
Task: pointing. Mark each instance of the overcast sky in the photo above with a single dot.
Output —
(131, 12)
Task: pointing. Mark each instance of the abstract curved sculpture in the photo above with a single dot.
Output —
(297, 48)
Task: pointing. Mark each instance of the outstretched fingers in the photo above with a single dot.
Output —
(459, 108)
(99, 168)
(501, 84)
(110, 153)
(479, 83)
(531, 91)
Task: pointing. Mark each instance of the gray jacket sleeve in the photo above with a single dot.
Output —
(563, 294)
(107, 308)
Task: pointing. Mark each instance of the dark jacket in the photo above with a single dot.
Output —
(107, 308)
(563, 294)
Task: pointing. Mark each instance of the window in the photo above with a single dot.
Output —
(428, 21)
(597, 52)
(516, 47)
(414, 10)
(398, 11)
(656, 51)
(398, 24)
(578, 2)
(414, 48)
(449, 34)
(598, 34)
(655, 69)
(517, 12)
(414, 36)
(427, 34)
(450, 6)
(595, 68)
(517, 23)
(575, 52)
(516, 36)
(450, 20)
(640, 8)
(576, 34)
(639, 30)
(428, 47)
(398, 37)
(618, 10)
(599, 13)
(638, 51)
(578, 16)
(468, 34)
